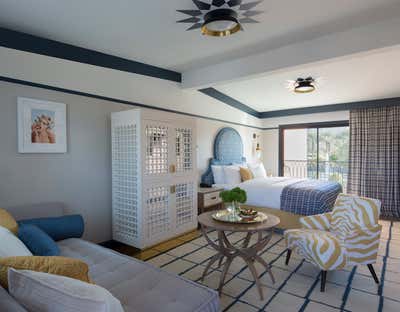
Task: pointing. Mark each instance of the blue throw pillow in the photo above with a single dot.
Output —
(59, 228)
(37, 241)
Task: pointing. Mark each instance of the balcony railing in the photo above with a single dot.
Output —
(323, 170)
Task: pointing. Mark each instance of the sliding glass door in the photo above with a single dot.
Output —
(315, 151)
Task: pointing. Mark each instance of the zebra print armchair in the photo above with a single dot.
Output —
(347, 236)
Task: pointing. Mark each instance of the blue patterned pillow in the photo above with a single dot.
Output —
(37, 241)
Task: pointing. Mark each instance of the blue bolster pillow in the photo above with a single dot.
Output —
(59, 228)
(37, 241)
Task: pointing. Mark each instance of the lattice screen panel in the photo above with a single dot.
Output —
(157, 211)
(124, 182)
(183, 148)
(156, 150)
(184, 203)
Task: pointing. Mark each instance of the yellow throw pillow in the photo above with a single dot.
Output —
(245, 174)
(7, 221)
(68, 267)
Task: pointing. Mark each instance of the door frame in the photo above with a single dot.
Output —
(317, 125)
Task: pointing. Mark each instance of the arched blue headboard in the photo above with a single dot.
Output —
(228, 150)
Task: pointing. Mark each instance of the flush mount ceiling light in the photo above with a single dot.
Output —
(302, 85)
(220, 18)
(220, 23)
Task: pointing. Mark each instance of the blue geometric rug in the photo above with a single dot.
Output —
(297, 285)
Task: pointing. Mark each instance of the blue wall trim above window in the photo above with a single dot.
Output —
(34, 44)
(230, 101)
(298, 111)
(332, 108)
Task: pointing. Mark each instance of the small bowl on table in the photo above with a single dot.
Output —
(248, 214)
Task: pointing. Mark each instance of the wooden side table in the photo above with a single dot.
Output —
(208, 199)
(249, 253)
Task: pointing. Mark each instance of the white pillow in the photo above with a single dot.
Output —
(258, 170)
(218, 173)
(232, 175)
(11, 246)
(42, 292)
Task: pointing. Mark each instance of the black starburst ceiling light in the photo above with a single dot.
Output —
(220, 18)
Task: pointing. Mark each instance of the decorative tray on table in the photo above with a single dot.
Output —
(244, 217)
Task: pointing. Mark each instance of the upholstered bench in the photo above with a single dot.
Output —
(138, 285)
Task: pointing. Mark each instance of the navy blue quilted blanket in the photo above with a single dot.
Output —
(310, 197)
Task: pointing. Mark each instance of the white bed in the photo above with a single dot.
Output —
(263, 192)
(287, 198)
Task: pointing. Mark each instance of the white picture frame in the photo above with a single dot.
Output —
(42, 126)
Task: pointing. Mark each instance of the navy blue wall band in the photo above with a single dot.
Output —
(332, 108)
(100, 97)
(29, 43)
(298, 111)
(34, 44)
(230, 101)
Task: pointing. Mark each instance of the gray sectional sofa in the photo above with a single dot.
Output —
(139, 286)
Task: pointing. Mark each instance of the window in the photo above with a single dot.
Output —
(315, 151)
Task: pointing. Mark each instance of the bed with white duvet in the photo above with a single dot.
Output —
(297, 196)
(263, 192)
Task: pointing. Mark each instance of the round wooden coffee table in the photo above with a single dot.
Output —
(249, 254)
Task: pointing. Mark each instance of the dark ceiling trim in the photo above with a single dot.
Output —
(34, 44)
(332, 108)
(299, 111)
(230, 101)
(100, 97)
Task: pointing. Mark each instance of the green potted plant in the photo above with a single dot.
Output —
(233, 198)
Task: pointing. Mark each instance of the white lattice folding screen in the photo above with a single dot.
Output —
(184, 149)
(156, 149)
(158, 220)
(185, 209)
(154, 179)
(125, 182)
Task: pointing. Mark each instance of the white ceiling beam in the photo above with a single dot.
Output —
(356, 40)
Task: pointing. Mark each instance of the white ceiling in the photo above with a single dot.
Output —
(147, 31)
(366, 76)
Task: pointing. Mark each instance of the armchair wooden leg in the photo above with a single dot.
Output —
(323, 280)
(289, 253)
(372, 270)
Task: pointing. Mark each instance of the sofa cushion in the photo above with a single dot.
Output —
(37, 241)
(8, 303)
(59, 228)
(11, 245)
(69, 267)
(42, 292)
(7, 221)
(138, 285)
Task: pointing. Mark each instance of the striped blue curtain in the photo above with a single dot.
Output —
(374, 158)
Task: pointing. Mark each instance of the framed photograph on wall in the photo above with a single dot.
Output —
(42, 126)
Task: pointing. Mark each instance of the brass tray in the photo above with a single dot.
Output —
(226, 216)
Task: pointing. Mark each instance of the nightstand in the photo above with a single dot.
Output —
(208, 199)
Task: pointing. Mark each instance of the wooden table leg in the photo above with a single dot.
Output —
(253, 271)
(210, 263)
(223, 275)
(267, 267)
(250, 254)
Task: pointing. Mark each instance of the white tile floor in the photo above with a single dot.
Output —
(297, 285)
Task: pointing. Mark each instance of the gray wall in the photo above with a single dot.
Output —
(81, 178)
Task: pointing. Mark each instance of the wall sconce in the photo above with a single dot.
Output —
(258, 151)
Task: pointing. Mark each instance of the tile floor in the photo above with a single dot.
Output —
(297, 285)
